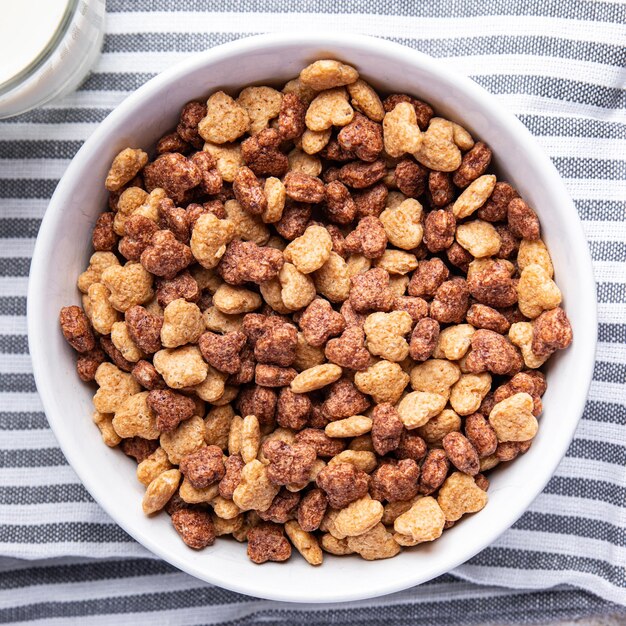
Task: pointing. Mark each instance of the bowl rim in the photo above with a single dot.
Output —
(251, 45)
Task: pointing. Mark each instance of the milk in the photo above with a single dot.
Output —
(26, 29)
(46, 49)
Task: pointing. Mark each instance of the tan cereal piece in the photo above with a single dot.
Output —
(212, 388)
(225, 509)
(332, 279)
(424, 521)
(469, 391)
(304, 92)
(125, 167)
(454, 342)
(384, 381)
(536, 291)
(186, 438)
(332, 545)
(134, 418)
(474, 196)
(401, 133)
(521, 334)
(122, 341)
(329, 108)
(115, 388)
(365, 460)
(104, 421)
(358, 517)
(417, 407)
(298, 289)
(234, 435)
(228, 159)
(98, 262)
(393, 510)
(479, 238)
(403, 225)
(386, 334)
(250, 438)
(227, 527)
(305, 543)
(311, 250)
(160, 490)
(225, 119)
(513, 418)
(375, 544)
(307, 356)
(182, 323)
(271, 291)
(262, 104)
(219, 322)
(439, 151)
(365, 99)
(459, 495)
(255, 491)
(534, 253)
(326, 74)
(181, 367)
(129, 285)
(303, 163)
(397, 262)
(101, 313)
(153, 466)
(209, 239)
(315, 378)
(436, 376)
(275, 194)
(436, 428)
(353, 426)
(217, 426)
(234, 300)
(313, 141)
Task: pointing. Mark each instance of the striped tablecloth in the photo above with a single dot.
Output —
(560, 66)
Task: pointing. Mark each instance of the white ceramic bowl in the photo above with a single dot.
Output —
(63, 248)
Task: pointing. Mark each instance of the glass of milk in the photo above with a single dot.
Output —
(46, 49)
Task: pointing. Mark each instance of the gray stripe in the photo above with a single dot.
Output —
(600, 210)
(14, 267)
(551, 87)
(547, 125)
(588, 489)
(609, 412)
(59, 116)
(516, 607)
(12, 305)
(39, 149)
(435, 8)
(533, 561)
(573, 526)
(28, 188)
(42, 457)
(20, 383)
(608, 169)
(610, 372)
(66, 531)
(13, 344)
(613, 333)
(611, 292)
(22, 420)
(83, 572)
(590, 449)
(43, 494)
(22, 227)
(608, 251)
(442, 47)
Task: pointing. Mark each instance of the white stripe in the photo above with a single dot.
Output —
(597, 189)
(609, 271)
(16, 364)
(612, 311)
(28, 439)
(591, 147)
(579, 507)
(33, 168)
(24, 131)
(608, 392)
(52, 513)
(12, 325)
(605, 231)
(24, 208)
(37, 476)
(576, 467)
(368, 24)
(14, 285)
(20, 402)
(16, 248)
(56, 549)
(611, 352)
